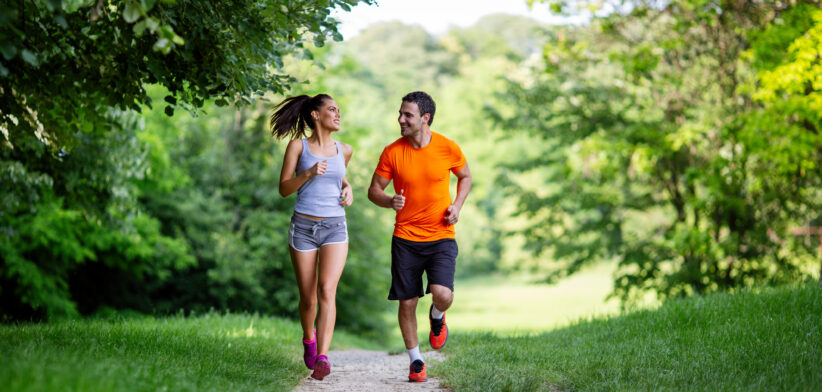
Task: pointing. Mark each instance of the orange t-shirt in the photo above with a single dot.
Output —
(424, 175)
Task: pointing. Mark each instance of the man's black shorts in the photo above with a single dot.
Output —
(410, 258)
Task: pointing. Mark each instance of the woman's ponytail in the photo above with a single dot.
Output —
(293, 115)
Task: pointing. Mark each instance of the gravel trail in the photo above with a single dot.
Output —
(370, 371)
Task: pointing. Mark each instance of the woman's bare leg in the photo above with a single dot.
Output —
(305, 270)
(332, 261)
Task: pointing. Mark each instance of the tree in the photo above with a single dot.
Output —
(656, 125)
(221, 198)
(369, 74)
(65, 63)
(73, 73)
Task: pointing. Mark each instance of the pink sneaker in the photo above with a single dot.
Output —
(310, 351)
(321, 368)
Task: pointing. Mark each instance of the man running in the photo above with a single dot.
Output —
(420, 163)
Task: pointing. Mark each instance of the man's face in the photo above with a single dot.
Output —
(410, 119)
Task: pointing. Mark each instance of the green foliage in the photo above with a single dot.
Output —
(369, 74)
(74, 213)
(689, 157)
(789, 91)
(221, 198)
(764, 340)
(64, 63)
(380, 48)
(75, 237)
(677, 140)
(493, 36)
(575, 7)
(57, 231)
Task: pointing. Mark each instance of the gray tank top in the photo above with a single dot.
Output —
(320, 196)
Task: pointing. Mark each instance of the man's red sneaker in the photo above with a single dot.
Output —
(439, 331)
(417, 371)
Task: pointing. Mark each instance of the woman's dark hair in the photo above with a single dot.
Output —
(424, 102)
(293, 115)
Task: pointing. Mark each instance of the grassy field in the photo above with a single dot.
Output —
(241, 352)
(516, 305)
(205, 353)
(511, 306)
(768, 340)
(508, 335)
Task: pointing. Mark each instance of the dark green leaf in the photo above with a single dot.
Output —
(163, 45)
(30, 57)
(148, 4)
(54, 5)
(152, 24)
(132, 12)
(8, 50)
(139, 28)
(61, 21)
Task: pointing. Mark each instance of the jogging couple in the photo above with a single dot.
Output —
(420, 164)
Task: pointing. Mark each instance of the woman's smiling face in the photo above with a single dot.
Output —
(328, 115)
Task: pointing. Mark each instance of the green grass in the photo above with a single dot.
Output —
(205, 353)
(514, 305)
(765, 340)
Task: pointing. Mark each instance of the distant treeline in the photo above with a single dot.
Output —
(680, 141)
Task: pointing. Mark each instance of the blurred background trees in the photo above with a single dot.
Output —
(687, 134)
(108, 204)
(679, 140)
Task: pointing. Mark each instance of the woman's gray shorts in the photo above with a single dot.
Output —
(306, 234)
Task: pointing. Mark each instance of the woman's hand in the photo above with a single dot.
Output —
(347, 196)
(318, 169)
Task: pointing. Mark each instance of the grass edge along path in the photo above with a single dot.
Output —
(754, 340)
(211, 352)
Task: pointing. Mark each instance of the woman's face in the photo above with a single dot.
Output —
(328, 116)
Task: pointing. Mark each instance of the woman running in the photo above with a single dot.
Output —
(314, 166)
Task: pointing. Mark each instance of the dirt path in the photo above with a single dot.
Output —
(370, 371)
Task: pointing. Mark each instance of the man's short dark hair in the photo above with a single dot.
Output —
(424, 102)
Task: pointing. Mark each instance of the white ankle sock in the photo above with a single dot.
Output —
(436, 313)
(414, 354)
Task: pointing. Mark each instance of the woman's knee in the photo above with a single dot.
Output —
(308, 303)
(327, 292)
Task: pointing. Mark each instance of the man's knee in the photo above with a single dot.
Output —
(409, 304)
(441, 295)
